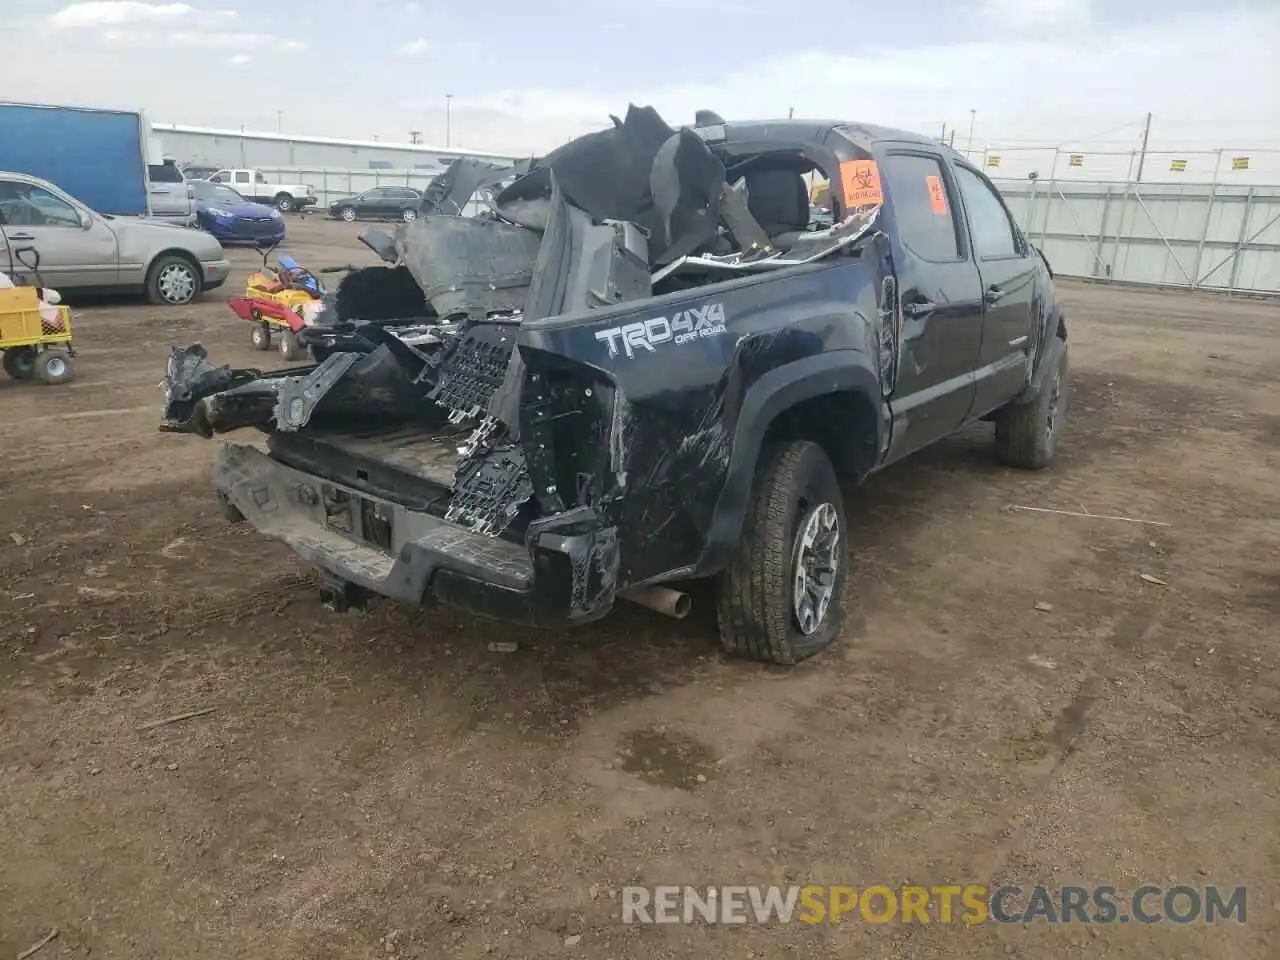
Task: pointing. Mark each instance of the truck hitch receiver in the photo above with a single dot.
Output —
(340, 595)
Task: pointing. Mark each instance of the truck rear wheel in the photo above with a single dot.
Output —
(1027, 434)
(779, 598)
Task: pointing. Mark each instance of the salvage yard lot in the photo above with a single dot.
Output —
(1011, 701)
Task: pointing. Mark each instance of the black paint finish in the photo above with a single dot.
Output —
(641, 423)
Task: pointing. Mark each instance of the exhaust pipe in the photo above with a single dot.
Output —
(672, 603)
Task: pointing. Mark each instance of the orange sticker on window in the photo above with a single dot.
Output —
(860, 183)
(937, 196)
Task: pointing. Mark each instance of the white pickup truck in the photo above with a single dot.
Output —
(253, 185)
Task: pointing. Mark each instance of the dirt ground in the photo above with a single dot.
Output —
(1011, 702)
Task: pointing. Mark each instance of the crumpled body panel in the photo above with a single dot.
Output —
(469, 267)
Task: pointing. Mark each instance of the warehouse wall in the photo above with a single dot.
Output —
(231, 150)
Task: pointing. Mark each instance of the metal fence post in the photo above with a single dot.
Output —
(1048, 196)
(1124, 212)
(1031, 209)
(1098, 258)
(1208, 217)
(1240, 242)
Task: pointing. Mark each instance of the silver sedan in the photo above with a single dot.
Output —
(82, 250)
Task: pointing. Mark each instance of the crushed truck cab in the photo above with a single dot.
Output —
(646, 364)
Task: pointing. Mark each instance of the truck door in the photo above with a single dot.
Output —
(76, 249)
(1008, 267)
(244, 185)
(939, 299)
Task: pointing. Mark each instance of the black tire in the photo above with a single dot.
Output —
(756, 605)
(173, 281)
(260, 336)
(347, 214)
(284, 202)
(290, 348)
(1027, 434)
(20, 363)
(54, 367)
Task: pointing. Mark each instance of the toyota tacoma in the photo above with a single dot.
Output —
(645, 365)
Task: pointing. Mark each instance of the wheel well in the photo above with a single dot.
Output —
(844, 423)
(181, 255)
(283, 193)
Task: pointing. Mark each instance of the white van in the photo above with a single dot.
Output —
(169, 195)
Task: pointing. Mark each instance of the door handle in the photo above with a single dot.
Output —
(993, 295)
(20, 236)
(918, 308)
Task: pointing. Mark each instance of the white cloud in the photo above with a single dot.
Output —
(201, 39)
(119, 12)
(239, 60)
(414, 48)
(1039, 13)
(136, 24)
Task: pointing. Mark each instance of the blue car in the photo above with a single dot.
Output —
(233, 219)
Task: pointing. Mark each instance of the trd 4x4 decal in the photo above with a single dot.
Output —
(681, 327)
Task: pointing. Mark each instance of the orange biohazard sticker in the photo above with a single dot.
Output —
(937, 196)
(860, 183)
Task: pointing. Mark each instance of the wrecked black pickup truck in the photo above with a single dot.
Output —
(641, 367)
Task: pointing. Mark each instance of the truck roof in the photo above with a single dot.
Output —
(862, 135)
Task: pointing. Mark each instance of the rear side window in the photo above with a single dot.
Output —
(242, 176)
(922, 207)
(993, 233)
(163, 173)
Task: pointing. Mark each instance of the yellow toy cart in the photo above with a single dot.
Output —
(33, 346)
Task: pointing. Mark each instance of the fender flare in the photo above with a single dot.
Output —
(772, 394)
(1055, 345)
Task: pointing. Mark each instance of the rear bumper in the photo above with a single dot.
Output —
(555, 579)
(215, 272)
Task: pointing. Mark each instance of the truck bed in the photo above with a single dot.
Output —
(411, 465)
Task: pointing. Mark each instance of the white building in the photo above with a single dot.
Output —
(242, 148)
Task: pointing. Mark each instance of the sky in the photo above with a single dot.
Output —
(525, 76)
